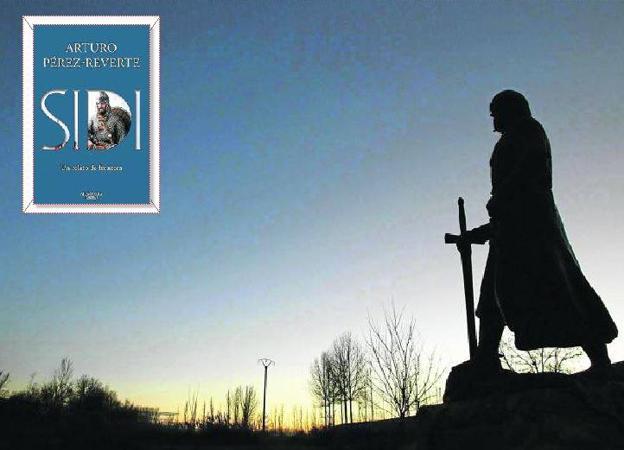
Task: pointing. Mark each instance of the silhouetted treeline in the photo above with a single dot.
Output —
(66, 413)
(240, 411)
(82, 413)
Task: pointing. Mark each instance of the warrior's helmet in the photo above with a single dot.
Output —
(103, 100)
(510, 104)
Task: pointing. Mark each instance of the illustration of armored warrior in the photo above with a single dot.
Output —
(108, 126)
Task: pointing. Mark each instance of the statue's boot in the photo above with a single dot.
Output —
(598, 356)
(487, 359)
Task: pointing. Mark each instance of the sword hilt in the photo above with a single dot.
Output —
(462, 215)
(459, 238)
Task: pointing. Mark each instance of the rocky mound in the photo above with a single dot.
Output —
(527, 411)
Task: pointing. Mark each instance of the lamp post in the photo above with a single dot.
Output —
(266, 362)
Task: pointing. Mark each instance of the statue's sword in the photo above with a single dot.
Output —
(463, 245)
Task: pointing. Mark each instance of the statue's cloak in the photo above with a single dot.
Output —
(532, 275)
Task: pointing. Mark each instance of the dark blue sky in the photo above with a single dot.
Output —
(312, 153)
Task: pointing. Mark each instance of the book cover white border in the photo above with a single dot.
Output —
(28, 205)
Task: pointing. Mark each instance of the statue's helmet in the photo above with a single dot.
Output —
(510, 104)
(103, 98)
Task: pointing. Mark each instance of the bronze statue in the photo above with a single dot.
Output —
(532, 282)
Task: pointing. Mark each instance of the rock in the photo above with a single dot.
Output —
(526, 411)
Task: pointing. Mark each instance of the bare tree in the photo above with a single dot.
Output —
(214, 416)
(57, 393)
(90, 393)
(237, 403)
(4, 380)
(228, 408)
(322, 384)
(550, 359)
(365, 397)
(211, 412)
(63, 379)
(249, 404)
(277, 419)
(297, 418)
(190, 410)
(349, 372)
(405, 376)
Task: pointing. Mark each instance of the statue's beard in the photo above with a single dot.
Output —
(103, 112)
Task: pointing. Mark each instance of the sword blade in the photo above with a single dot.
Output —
(466, 260)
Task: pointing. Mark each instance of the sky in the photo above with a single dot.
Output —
(312, 153)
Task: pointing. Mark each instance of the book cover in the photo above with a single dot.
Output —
(91, 114)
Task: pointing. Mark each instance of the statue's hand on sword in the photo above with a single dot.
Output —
(479, 235)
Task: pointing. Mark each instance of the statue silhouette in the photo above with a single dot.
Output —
(532, 281)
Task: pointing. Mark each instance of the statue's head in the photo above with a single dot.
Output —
(102, 103)
(507, 108)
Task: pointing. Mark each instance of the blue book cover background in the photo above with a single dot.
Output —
(52, 185)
